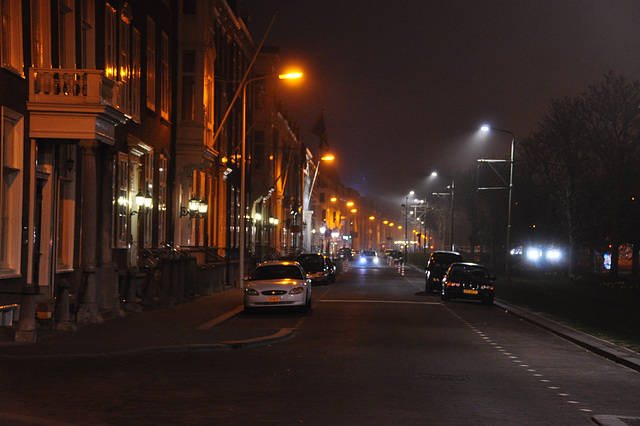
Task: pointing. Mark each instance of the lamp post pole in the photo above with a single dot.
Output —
(243, 165)
(507, 267)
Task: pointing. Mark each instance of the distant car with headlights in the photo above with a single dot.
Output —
(316, 267)
(277, 284)
(368, 257)
(437, 265)
(467, 280)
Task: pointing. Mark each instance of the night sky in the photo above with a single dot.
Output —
(404, 85)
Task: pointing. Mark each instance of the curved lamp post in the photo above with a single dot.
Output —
(486, 128)
(243, 161)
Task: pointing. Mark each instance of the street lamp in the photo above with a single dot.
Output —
(486, 128)
(243, 160)
(406, 218)
(452, 187)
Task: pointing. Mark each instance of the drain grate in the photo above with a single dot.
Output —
(444, 377)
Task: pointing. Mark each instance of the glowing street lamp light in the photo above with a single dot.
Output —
(486, 128)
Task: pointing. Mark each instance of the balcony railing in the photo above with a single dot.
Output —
(71, 86)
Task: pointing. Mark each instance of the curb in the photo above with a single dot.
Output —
(601, 347)
(280, 336)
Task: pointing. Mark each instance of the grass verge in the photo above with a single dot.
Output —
(600, 306)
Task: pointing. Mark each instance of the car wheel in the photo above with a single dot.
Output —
(249, 311)
(427, 288)
(306, 307)
(445, 296)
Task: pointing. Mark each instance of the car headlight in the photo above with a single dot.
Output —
(362, 260)
(297, 290)
(251, 292)
(375, 260)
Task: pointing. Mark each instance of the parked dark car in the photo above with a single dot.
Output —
(346, 253)
(437, 265)
(316, 267)
(468, 281)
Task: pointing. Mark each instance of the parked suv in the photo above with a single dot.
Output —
(316, 267)
(437, 266)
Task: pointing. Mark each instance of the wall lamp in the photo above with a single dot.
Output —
(197, 209)
(143, 202)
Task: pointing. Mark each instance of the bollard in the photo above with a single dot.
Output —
(398, 267)
(403, 269)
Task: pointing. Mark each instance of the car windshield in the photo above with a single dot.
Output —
(369, 253)
(277, 272)
(468, 271)
(313, 261)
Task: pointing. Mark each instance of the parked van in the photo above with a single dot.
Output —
(437, 266)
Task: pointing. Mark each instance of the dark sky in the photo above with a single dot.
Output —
(405, 84)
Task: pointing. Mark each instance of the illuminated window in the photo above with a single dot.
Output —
(11, 41)
(40, 34)
(165, 82)
(136, 75)
(11, 160)
(162, 199)
(110, 42)
(121, 227)
(151, 64)
(124, 74)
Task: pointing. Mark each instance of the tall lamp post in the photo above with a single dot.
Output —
(452, 193)
(406, 219)
(243, 161)
(486, 128)
(326, 157)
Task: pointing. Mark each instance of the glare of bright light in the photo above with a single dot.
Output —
(534, 253)
(372, 217)
(411, 193)
(349, 203)
(554, 255)
(385, 221)
(434, 174)
(257, 216)
(328, 157)
(485, 128)
(323, 229)
(334, 199)
(290, 75)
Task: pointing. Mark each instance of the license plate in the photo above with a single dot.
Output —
(273, 299)
(470, 291)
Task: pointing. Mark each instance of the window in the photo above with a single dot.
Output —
(162, 199)
(188, 85)
(66, 212)
(148, 193)
(40, 34)
(151, 64)
(110, 42)
(165, 82)
(124, 93)
(122, 200)
(88, 29)
(66, 34)
(11, 42)
(11, 157)
(136, 75)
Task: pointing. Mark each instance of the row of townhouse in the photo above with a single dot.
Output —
(122, 155)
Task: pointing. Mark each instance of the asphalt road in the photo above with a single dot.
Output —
(375, 350)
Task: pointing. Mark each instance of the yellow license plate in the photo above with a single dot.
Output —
(273, 299)
(470, 291)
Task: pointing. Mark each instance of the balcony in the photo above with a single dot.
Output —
(73, 104)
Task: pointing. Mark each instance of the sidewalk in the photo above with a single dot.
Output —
(192, 326)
